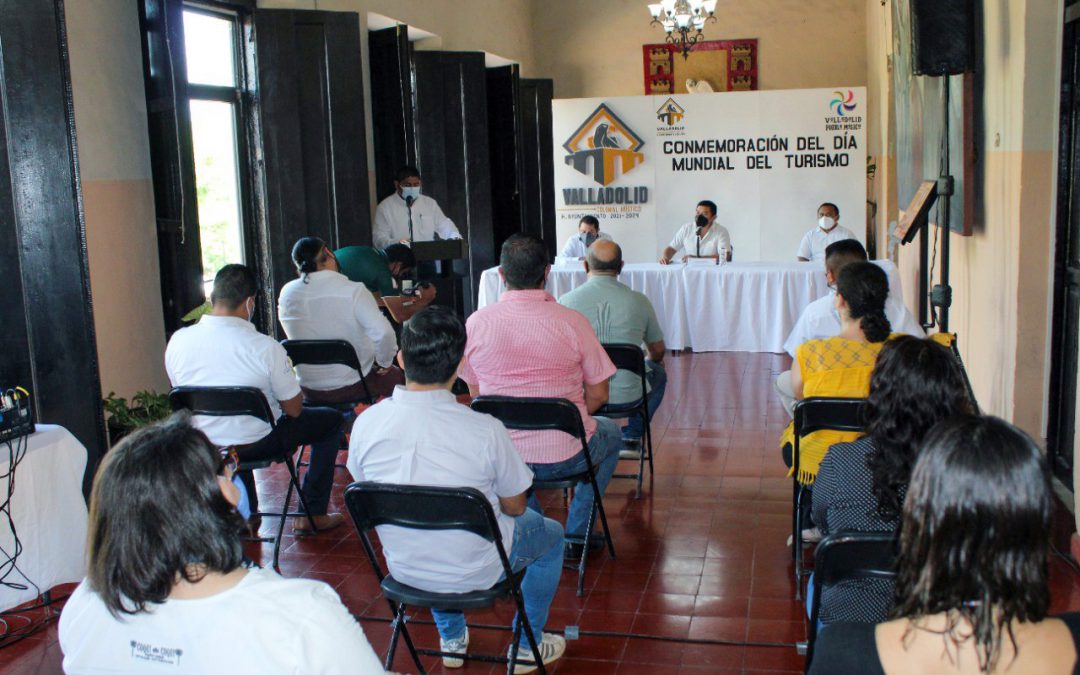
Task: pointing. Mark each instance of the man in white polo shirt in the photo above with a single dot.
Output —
(820, 319)
(323, 304)
(225, 350)
(423, 436)
(828, 230)
(701, 238)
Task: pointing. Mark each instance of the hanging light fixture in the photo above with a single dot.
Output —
(683, 20)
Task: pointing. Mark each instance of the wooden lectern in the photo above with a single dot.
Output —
(435, 265)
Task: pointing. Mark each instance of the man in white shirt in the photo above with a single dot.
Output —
(324, 305)
(820, 319)
(702, 238)
(423, 436)
(392, 216)
(828, 230)
(223, 349)
(577, 246)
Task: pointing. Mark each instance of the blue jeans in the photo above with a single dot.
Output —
(604, 451)
(656, 376)
(538, 548)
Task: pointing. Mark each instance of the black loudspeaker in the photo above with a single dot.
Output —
(942, 36)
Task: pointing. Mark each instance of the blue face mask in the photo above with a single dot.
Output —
(587, 238)
(413, 192)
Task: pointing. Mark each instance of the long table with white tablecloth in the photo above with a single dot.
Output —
(740, 307)
(48, 512)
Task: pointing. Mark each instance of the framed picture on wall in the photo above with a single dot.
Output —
(714, 65)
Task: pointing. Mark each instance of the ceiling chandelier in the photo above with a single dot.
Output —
(683, 21)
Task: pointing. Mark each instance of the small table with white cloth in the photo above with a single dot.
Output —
(49, 514)
(738, 307)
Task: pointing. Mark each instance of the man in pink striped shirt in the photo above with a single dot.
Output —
(528, 344)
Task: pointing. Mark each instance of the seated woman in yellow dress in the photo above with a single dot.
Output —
(840, 367)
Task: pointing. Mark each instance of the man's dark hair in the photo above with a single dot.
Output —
(407, 171)
(916, 383)
(432, 344)
(156, 509)
(591, 221)
(400, 253)
(834, 207)
(523, 261)
(307, 253)
(598, 265)
(709, 205)
(975, 536)
(233, 284)
(840, 254)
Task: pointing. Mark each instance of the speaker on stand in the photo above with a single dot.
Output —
(943, 44)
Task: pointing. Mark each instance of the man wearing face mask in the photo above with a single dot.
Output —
(392, 215)
(225, 350)
(577, 246)
(701, 238)
(828, 230)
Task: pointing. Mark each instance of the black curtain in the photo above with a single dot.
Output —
(48, 342)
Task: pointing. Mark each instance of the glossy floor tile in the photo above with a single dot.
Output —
(702, 581)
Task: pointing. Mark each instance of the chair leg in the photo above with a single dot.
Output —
(295, 477)
(645, 449)
(583, 563)
(523, 624)
(281, 526)
(797, 543)
(598, 503)
(402, 631)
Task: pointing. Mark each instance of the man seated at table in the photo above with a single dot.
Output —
(620, 315)
(828, 230)
(588, 232)
(382, 272)
(701, 238)
(821, 320)
(224, 350)
(324, 305)
(423, 436)
(527, 344)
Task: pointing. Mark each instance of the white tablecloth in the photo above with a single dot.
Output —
(743, 307)
(49, 513)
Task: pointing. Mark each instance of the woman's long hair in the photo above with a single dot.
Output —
(865, 287)
(157, 509)
(975, 534)
(915, 384)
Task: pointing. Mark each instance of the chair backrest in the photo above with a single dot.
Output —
(845, 556)
(222, 402)
(626, 357)
(533, 414)
(836, 414)
(421, 507)
(321, 353)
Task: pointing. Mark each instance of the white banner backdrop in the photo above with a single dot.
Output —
(767, 158)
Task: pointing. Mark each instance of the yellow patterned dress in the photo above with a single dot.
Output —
(833, 367)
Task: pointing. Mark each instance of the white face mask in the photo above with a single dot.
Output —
(251, 310)
(413, 192)
(826, 223)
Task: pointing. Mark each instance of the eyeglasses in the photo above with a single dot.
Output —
(229, 461)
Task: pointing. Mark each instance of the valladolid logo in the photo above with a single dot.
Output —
(604, 147)
(842, 105)
(671, 113)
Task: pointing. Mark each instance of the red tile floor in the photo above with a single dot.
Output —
(702, 582)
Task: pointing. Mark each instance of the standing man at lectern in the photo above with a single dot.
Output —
(701, 238)
(407, 216)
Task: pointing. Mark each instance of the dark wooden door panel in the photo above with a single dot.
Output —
(538, 172)
(391, 105)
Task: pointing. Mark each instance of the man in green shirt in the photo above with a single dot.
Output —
(382, 270)
(619, 314)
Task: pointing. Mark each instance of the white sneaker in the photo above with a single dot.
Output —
(551, 648)
(459, 646)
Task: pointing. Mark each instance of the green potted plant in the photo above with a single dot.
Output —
(145, 408)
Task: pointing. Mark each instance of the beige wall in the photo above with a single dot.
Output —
(1000, 275)
(593, 47)
(114, 166)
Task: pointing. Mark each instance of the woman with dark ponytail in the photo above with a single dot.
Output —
(840, 366)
